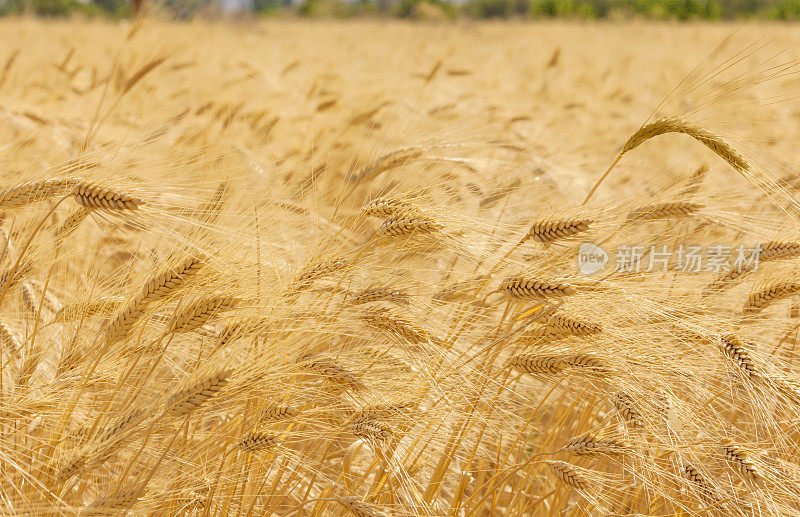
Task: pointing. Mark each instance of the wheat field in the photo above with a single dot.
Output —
(335, 268)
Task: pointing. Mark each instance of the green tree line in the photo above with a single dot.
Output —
(432, 9)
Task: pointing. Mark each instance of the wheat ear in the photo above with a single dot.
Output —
(668, 210)
(568, 474)
(549, 230)
(33, 191)
(739, 459)
(768, 294)
(589, 444)
(736, 350)
(92, 195)
(199, 313)
(525, 288)
(187, 400)
(257, 441)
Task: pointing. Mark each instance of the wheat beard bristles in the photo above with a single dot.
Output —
(568, 474)
(34, 191)
(71, 223)
(371, 429)
(95, 196)
(113, 503)
(384, 319)
(759, 300)
(75, 310)
(187, 400)
(677, 125)
(523, 288)
(550, 230)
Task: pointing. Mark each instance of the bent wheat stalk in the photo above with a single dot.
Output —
(716, 143)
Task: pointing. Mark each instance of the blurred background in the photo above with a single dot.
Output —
(426, 9)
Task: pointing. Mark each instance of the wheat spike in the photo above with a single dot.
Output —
(75, 310)
(774, 250)
(537, 363)
(388, 206)
(387, 161)
(70, 224)
(154, 289)
(358, 507)
(525, 288)
(95, 196)
(112, 504)
(199, 313)
(370, 429)
(736, 350)
(775, 291)
(33, 191)
(695, 181)
(277, 412)
(242, 328)
(330, 370)
(170, 279)
(33, 293)
(677, 125)
(319, 270)
(572, 326)
(739, 459)
(405, 225)
(187, 400)
(398, 325)
(257, 441)
(376, 294)
(705, 489)
(568, 474)
(671, 209)
(589, 444)
(627, 407)
(552, 229)
(726, 280)
(10, 339)
(587, 361)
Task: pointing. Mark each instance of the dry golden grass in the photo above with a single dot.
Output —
(310, 269)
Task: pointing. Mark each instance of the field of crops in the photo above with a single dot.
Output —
(370, 268)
